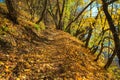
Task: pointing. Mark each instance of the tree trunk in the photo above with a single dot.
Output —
(60, 23)
(12, 12)
(110, 60)
(115, 34)
(99, 52)
(43, 12)
(88, 38)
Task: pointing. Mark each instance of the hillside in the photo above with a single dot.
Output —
(50, 54)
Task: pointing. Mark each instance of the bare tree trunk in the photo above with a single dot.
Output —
(110, 60)
(99, 52)
(11, 10)
(43, 12)
(114, 32)
(60, 23)
(88, 38)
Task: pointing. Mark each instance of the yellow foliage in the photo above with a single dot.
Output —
(90, 19)
(17, 78)
(19, 3)
(118, 11)
(7, 68)
(42, 25)
(1, 63)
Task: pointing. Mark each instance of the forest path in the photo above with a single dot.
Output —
(50, 54)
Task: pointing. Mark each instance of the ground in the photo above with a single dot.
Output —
(27, 53)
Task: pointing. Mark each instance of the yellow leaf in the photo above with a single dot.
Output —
(7, 70)
(19, 2)
(1, 63)
(27, 70)
(6, 67)
(17, 78)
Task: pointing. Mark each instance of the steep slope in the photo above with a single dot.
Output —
(30, 54)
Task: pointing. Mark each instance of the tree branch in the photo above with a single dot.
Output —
(79, 15)
(112, 1)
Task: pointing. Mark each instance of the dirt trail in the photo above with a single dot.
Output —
(50, 54)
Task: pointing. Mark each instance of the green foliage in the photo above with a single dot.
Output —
(40, 26)
(4, 28)
(73, 29)
(37, 27)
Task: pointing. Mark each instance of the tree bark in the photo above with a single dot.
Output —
(109, 62)
(89, 36)
(99, 52)
(42, 16)
(60, 23)
(114, 33)
(12, 12)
